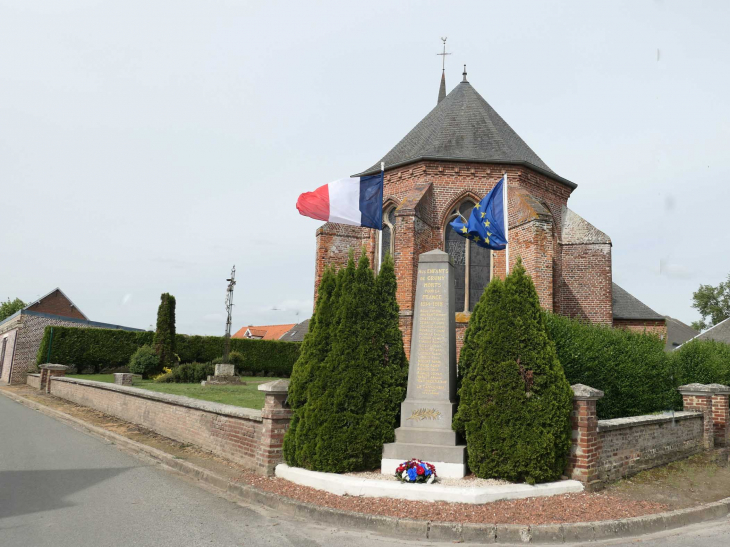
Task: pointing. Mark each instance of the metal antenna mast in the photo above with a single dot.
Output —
(229, 309)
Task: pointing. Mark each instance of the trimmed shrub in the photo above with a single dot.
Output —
(701, 361)
(515, 401)
(631, 368)
(144, 361)
(164, 342)
(189, 373)
(98, 349)
(346, 405)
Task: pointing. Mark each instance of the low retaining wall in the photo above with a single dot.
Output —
(607, 450)
(630, 445)
(33, 380)
(252, 438)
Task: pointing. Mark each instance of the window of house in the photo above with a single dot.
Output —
(386, 238)
(472, 264)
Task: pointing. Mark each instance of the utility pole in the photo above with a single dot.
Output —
(229, 310)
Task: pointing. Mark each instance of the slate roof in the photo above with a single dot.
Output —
(297, 332)
(677, 333)
(464, 127)
(626, 306)
(576, 230)
(719, 333)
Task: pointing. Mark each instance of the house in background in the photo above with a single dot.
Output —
(631, 314)
(263, 332)
(678, 333)
(22, 332)
(297, 332)
(718, 333)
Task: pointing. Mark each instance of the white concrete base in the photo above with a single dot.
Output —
(443, 469)
(342, 485)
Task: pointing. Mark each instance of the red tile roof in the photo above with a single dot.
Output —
(265, 332)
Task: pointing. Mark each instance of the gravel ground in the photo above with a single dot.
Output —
(469, 481)
(583, 507)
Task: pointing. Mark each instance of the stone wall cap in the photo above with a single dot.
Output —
(277, 386)
(703, 389)
(54, 367)
(179, 400)
(582, 391)
(434, 256)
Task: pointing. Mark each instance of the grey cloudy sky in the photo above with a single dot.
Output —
(147, 146)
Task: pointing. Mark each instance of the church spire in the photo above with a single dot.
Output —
(442, 88)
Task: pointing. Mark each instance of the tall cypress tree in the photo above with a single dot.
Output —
(353, 395)
(315, 347)
(515, 401)
(164, 340)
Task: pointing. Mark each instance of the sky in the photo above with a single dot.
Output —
(147, 147)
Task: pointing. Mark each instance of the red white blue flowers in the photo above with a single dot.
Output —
(416, 471)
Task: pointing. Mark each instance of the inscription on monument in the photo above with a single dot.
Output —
(432, 379)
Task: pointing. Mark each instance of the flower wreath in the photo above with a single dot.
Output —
(416, 471)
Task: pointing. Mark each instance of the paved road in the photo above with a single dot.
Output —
(61, 487)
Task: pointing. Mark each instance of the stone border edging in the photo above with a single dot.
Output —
(373, 488)
(179, 400)
(408, 528)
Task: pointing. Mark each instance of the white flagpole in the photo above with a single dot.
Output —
(506, 224)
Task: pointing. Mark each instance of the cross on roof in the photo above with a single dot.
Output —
(443, 55)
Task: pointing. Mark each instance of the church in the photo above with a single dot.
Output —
(441, 169)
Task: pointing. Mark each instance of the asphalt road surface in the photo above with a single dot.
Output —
(61, 487)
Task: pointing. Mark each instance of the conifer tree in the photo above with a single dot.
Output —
(315, 347)
(353, 395)
(164, 339)
(515, 401)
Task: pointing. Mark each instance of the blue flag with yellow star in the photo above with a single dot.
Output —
(485, 226)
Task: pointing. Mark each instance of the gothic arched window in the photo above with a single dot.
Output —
(386, 240)
(472, 264)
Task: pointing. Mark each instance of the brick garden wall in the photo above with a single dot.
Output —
(239, 434)
(630, 445)
(33, 380)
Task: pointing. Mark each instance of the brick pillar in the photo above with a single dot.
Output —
(721, 415)
(700, 397)
(584, 452)
(49, 371)
(276, 417)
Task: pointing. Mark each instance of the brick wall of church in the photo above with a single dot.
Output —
(585, 285)
(426, 192)
(658, 328)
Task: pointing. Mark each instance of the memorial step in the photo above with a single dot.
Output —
(417, 435)
(426, 452)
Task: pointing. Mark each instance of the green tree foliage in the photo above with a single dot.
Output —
(164, 342)
(144, 361)
(631, 368)
(713, 303)
(515, 401)
(101, 349)
(347, 388)
(701, 361)
(9, 307)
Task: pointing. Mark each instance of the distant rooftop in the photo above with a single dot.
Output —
(627, 306)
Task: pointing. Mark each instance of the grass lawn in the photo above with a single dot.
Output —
(247, 396)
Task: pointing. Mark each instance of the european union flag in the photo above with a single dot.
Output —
(485, 226)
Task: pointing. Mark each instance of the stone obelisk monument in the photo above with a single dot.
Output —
(425, 432)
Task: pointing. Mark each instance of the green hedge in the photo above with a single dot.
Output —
(632, 369)
(702, 361)
(97, 349)
(189, 373)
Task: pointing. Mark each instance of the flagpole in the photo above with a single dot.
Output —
(506, 225)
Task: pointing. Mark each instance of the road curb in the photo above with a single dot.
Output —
(409, 528)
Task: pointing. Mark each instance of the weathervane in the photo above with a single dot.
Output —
(444, 54)
(229, 309)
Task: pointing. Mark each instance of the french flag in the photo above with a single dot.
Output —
(357, 201)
